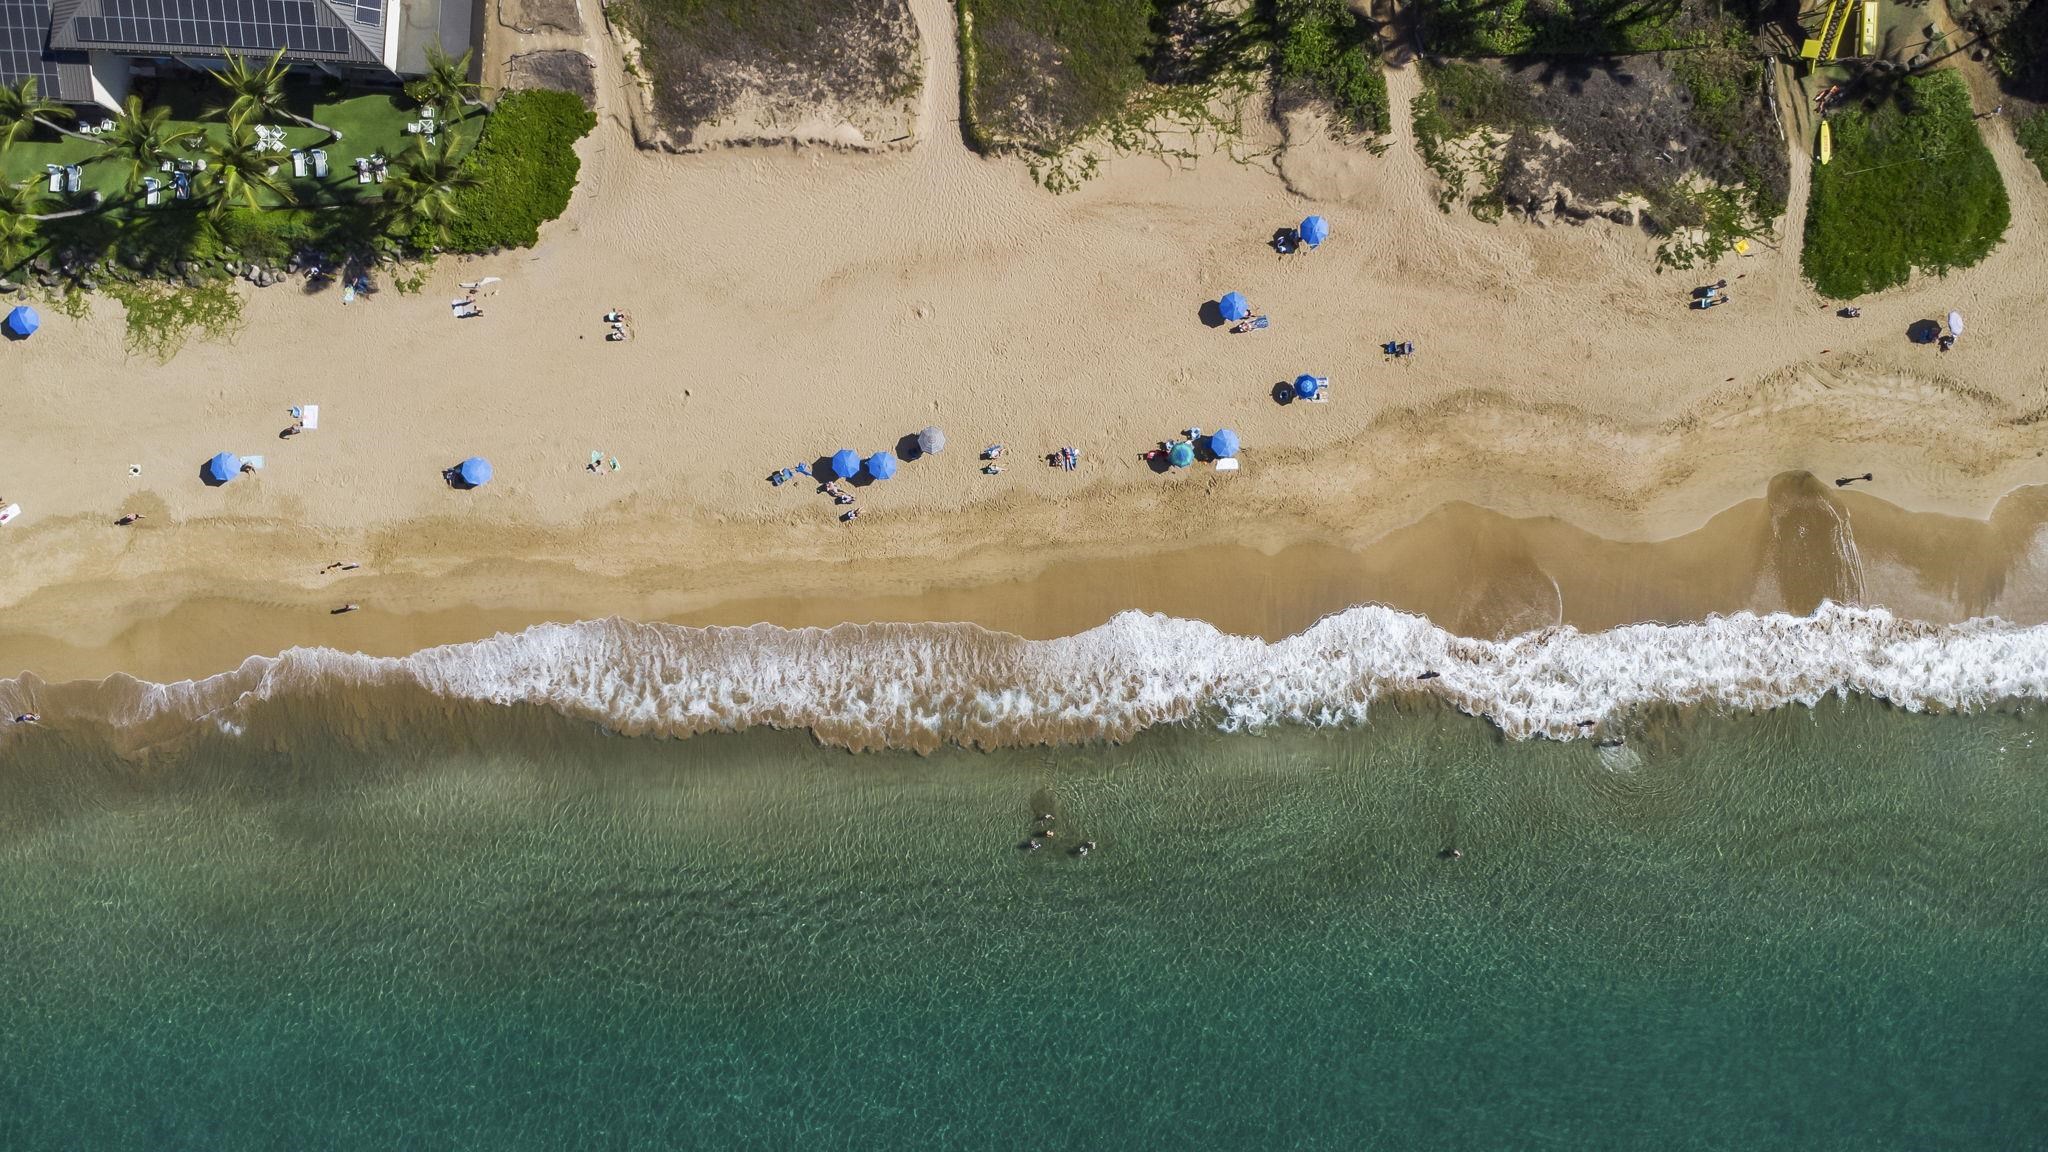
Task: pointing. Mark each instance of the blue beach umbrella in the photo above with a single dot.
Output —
(224, 467)
(1234, 306)
(1306, 387)
(846, 463)
(474, 472)
(882, 465)
(23, 321)
(1314, 231)
(1181, 454)
(1223, 444)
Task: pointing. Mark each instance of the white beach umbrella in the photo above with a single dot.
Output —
(931, 440)
(1955, 323)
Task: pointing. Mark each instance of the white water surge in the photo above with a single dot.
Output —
(920, 685)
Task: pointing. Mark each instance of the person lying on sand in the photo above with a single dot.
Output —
(128, 519)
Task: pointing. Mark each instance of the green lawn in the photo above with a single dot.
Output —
(1911, 186)
(369, 124)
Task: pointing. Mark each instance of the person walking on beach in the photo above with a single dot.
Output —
(1845, 481)
(345, 608)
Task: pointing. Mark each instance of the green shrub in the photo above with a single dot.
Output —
(1911, 186)
(1326, 52)
(526, 167)
(2032, 130)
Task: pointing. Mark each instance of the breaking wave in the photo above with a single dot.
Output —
(922, 685)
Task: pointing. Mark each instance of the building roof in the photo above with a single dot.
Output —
(24, 53)
(343, 32)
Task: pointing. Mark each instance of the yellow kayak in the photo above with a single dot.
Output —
(1827, 143)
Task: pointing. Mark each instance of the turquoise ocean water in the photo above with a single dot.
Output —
(359, 926)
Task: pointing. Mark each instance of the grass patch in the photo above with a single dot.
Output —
(1566, 27)
(1911, 186)
(526, 168)
(1048, 72)
(2032, 130)
(161, 318)
(704, 56)
(1326, 51)
(1459, 100)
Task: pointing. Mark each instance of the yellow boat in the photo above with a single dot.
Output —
(1827, 143)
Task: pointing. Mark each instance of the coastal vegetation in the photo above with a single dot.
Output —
(1461, 118)
(1911, 186)
(707, 57)
(1052, 78)
(519, 176)
(1327, 52)
(2032, 130)
(126, 231)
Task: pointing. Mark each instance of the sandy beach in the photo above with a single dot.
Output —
(1564, 415)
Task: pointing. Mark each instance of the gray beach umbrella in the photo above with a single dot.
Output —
(931, 440)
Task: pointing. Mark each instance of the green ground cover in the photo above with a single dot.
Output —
(2032, 130)
(1911, 186)
(371, 124)
(1327, 51)
(704, 54)
(524, 169)
(1547, 27)
(1048, 71)
(1459, 99)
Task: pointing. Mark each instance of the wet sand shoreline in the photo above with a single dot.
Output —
(1471, 571)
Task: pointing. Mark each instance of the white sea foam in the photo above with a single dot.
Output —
(920, 685)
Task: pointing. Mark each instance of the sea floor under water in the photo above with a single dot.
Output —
(1811, 928)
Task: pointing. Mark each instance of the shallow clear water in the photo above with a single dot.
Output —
(502, 930)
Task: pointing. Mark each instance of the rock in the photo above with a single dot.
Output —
(292, 264)
(88, 284)
(46, 279)
(40, 263)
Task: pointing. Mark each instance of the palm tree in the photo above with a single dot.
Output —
(258, 94)
(22, 108)
(141, 140)
(17, 223)
(241, 172)
(446, 86)
(423, 191)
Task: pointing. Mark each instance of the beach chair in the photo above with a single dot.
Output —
(74, 178)
(56, 177)
(319, 156)
(152, 191)
(299, 163)
(362, 170)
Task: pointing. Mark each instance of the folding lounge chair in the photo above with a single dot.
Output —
(299, 163)
(319, 162)
(152, 191)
